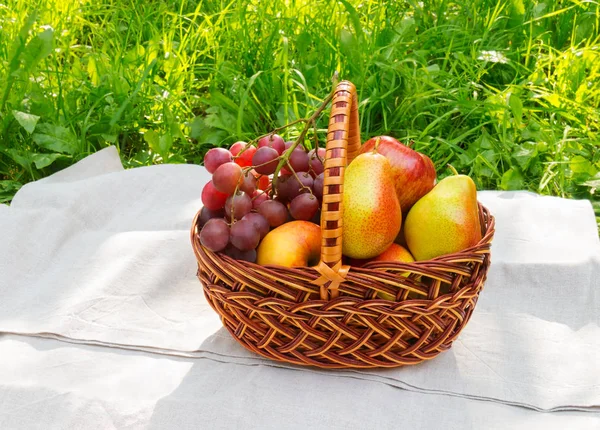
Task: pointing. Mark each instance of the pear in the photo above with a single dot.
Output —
(372, 215)
(445, 220)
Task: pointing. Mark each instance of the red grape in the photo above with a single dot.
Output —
(215, 235)
(237, 147)
(249, 183)
(244, 236)
(259, 197)
(317, 161)
(263, 182)
(212, 198)
(245, 159)
(306, 183)
(265, 160)
(272, 141)
(236, 254)
(215, 157)
(288, 144)
(304, 207)
(207, 214)
(275, 212)
(227, 177)
(318, 186)
(285, 187)
(299, 160)
(238, 205)
(260, 223)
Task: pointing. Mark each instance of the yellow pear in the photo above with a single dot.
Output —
(372, 216)
(445, 220)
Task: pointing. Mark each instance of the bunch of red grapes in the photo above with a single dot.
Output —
(240, 203)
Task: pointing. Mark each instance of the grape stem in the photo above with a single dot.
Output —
(298, 179)
(283, 159)
(254, 141)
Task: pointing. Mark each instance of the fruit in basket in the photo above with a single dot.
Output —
(316, 161)
(298, 161)
(318, 186)
(394, 253)
(212, 198)
(260, 223)
(263, 180)
(215, 234)
(244, 235)
(236, 254)
(413, 173)
(242, 153)
(238, 205)
(275, 212)
(304, 207)
(289, 186)
(249, 183)
(294, 244)
(265, 160)
(258, 198)
(372, 216)
(272, 141)
(207, 214)
(445, 220)
(228, 177)
(215, 157)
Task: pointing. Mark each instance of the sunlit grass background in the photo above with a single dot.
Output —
(508, 91)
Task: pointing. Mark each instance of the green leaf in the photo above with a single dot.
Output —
(8, 189)
(92, 69)
(516, 106)
(112, 138)
(525, 154)
(38, 48)
(55, 138)
(518, 8)
(44, 160)
(152, 139)
(354, 18)
(593, 182)
(512, 179)
(553, 99)
(580, 165)
(348, 42)
(165, 142)
(27, 120)
(22, 158)
(16, 53)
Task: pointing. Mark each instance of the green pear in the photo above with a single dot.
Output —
(372, 216)
(445, 220)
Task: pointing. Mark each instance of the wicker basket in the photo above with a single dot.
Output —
(329, 316)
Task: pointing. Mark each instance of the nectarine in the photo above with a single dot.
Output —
(294, 244)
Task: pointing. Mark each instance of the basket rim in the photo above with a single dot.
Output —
(448, 262)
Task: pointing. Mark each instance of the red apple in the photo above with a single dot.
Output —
(413, 173)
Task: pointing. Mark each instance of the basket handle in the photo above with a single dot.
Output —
(343, 144)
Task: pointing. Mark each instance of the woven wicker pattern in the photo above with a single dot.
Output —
(329, 316)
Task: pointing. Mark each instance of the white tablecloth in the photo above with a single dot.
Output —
(99, 255)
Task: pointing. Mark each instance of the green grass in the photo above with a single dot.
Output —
(508, 92)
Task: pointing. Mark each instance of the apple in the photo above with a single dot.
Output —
(413, 173)
(294, 244)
